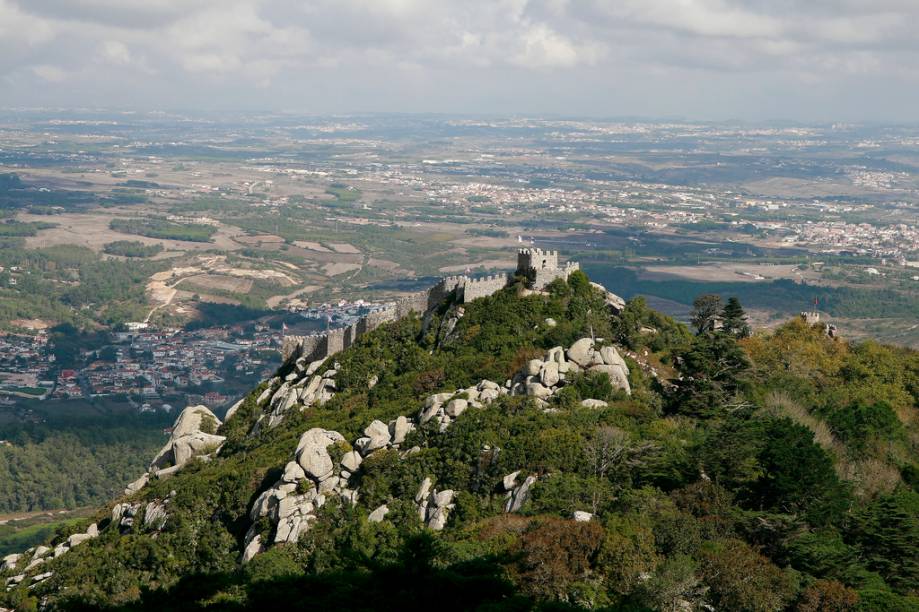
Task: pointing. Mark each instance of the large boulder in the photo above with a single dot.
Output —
(611, 356)
(618, 376)
(538, 390)
(192, 434)
(379, 435)
(293, 472)
(379, 514)
(351, 461)
(456, 407)
(581, 352)
(549, 374)
(399, 429)
(312, 455)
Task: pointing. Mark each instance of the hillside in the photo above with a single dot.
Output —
(525, 450)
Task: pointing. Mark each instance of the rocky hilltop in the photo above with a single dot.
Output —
(542, 442)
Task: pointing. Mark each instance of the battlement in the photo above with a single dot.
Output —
(536, 259)
(475, 288)
(541, 267)
(538, 265)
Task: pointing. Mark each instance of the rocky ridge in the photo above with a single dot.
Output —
(324, 463)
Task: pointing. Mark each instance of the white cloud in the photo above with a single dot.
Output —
(292, 49)
(543, 48)
(50, 73)
(116, 52)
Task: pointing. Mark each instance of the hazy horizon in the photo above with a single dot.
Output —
(696, 60)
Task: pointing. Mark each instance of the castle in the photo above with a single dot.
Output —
(537, 267)
(541, 267)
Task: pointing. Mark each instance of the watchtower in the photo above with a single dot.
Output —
(541, 267)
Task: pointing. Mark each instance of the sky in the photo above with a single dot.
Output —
(799, 60)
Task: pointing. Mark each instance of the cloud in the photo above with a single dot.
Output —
(53, 74)
(351, 54)
(116, 52)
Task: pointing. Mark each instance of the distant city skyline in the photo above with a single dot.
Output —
(710, 60)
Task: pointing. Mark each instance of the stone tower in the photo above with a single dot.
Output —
(541, 267)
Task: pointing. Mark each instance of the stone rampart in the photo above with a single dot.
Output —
(475, 288)
(541, 266)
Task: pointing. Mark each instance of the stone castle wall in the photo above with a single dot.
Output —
(540, 266)
(545, 276)
(320, 346)
(475, 288)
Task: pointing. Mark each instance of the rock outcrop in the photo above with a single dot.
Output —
(38, 556)
(301, 388)
(324, 465)
(542, 378)
(443, 408)
(192, 435)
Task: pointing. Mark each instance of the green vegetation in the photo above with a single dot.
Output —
(783, 295)
(344, 194)
(164, 230)
(132, 248)
(487, 232)
(23, 533)
(70, 462)
(772, 472)
(72, 285)
(17, 228)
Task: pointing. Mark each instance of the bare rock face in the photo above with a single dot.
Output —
(9, 562)
(519, 495)
(615, 303)
(138, 484)
(191, 435)
(581, 352)
(312, 455)
(379, 514)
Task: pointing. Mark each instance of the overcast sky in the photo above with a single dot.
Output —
(850, 60)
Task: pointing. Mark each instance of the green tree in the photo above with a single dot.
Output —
(734, 319)
(713, 374)
(705, 312)
(887, 533)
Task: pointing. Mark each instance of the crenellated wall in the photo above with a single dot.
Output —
(320, 346)
(475, 288)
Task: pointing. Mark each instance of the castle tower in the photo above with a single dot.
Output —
(541, 267)
(536, 259)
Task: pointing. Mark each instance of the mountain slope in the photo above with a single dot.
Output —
(494, 455)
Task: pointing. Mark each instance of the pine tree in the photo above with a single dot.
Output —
(734, 319)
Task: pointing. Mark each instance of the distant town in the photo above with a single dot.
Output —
(152, 366)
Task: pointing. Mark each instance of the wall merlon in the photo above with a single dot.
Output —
(321, 346)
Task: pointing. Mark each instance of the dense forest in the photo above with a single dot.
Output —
(73, 463)
(773, 471)
(72, 284)
(164, 230)
(132, 248)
